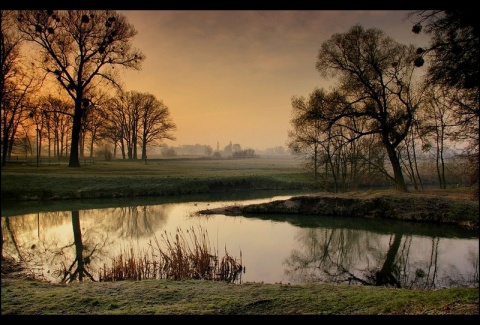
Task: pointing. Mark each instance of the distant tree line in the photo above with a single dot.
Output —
(383, 114)
(229, 151)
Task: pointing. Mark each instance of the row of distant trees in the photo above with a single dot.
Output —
(59, 70)
(385, 109)
(229, 151)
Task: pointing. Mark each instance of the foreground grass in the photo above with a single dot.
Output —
(198, 297)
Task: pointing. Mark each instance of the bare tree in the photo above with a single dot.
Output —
(306, 133)
(138, 119)
(93, 122)
(439, 125)
(17, 83)
(313, 135)
(375, 73)
(112, 114)
(408, 156)
(58, 124)
(155, 122)
(346, 158)
(79, 47)
(126, 118)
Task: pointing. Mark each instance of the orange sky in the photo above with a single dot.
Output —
(230, 75)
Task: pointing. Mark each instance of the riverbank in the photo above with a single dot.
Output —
(448, 207)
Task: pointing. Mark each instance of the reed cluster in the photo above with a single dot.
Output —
(183, 256)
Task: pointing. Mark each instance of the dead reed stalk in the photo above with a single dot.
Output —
(184, 256)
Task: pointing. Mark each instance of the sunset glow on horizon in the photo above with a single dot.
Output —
(229, 76)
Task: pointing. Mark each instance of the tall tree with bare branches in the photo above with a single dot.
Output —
(376, 75)
(80, 48)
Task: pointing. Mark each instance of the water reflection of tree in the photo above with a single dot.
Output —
(474, 278)
(87, 244)
(360, 257)
(35, 242)
(418, 274)
(326, 254)
(51, 252)
(18, 243)
(389, 273)
(137, 221)
(11, 235)
(81, 261)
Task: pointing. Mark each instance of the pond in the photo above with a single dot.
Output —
(293, 249)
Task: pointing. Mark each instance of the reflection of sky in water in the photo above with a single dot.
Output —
(264, 245)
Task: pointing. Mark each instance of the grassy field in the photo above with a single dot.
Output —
(21, 295)
(109, 179)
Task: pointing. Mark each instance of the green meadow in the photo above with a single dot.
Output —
(156, 177)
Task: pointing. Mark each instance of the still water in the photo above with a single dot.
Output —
(291, 249)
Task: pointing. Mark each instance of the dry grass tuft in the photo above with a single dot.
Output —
(184, 256)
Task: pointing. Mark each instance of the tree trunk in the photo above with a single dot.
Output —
(386, 274)
(144, 148)
(397, 168)
(4, 149)
(77, 123)
(77, 237)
